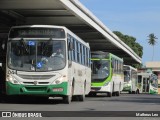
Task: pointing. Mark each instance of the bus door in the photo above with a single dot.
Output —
(145, 85)
(153, 84)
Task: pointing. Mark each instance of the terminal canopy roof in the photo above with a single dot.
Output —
(69, 13)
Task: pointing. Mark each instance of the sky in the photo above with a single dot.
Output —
(137, 18)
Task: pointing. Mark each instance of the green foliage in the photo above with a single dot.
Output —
(131, 42)
(152, 39)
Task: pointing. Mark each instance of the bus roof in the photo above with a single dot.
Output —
(48, 26)
(145, 74)
(107, 53)
(130, 67)
(116, 57)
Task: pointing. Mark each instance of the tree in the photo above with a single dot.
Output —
(131, 42)
(152, 41)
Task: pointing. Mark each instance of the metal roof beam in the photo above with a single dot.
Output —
(30, 4)
(53, 20)
(14, 15)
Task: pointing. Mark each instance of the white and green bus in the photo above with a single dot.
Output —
(130, 79)
(147, 83)
(107, 74)
(46, 60)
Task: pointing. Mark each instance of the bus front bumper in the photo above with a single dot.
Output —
(40, 90)
(100, 89)
(126, 88)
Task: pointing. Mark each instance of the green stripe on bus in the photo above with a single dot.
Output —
(153, 92)
(43, 90)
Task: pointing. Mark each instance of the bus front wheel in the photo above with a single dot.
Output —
(67, 99)
(110, 94)
(137, 91)
(118, 92)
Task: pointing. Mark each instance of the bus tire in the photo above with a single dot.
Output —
(137, 91)
(113, 93)
(109, 94)
(82, 97)
(68, 98)
(118, 92)
(92, 94)
(133, 92)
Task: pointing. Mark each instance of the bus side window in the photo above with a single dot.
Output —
(82, 52)
(69, 52)
(89, 58)
(139, 79)
(85, 56)
(75, 50)
(115, 66)
(121, 67)
(112, 63)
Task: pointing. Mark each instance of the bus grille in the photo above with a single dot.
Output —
(36, 88)
(32, 83)
(95, 88)
(36, 77)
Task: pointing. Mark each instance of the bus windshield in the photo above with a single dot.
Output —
(36, 55)
(100, 70)
(154, 81)
(127, 76)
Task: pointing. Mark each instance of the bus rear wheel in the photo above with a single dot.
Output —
(82, 97)
(117, 93)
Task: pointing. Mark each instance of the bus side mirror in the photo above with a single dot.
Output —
(3, 46)
(70, 46)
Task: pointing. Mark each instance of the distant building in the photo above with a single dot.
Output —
(155, 68)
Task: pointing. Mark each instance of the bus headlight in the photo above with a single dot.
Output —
(12, 79)
(59, 80)
(106, 84)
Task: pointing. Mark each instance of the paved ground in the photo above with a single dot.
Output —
(101, 103)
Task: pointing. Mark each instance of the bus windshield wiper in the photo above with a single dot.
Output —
(46, 46)
(24, 45)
